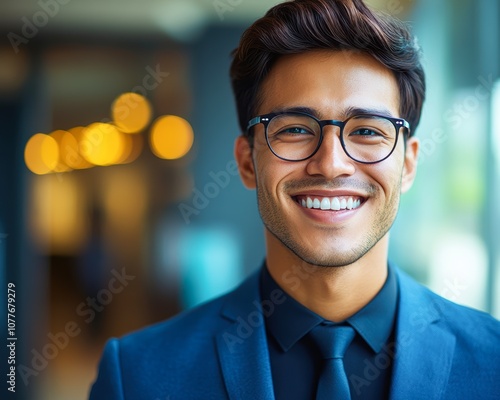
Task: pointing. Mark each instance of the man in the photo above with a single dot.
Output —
(329, 96)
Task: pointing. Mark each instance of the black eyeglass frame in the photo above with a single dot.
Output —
(265, 119)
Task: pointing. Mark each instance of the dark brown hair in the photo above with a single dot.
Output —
(302, 25)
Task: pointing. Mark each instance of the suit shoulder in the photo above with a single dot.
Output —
(196, 325)
(468, 324)
(467, 321)
(159, 359)
(189, 321)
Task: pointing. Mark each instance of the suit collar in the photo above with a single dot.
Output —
(243, 299)
(424, 349)
(422, 363)
(242, 346)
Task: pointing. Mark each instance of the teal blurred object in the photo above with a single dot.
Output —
(210, 263)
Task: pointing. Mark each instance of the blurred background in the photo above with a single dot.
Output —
(120, 203)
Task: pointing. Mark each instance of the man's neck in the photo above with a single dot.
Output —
(335, 293)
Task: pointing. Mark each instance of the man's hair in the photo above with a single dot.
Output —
(344, 25)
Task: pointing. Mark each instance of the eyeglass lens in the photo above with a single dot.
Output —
(367, 138)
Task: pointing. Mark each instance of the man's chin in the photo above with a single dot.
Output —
(336, 259)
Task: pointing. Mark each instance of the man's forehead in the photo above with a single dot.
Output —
(323, 82)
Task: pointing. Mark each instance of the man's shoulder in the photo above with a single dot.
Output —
(466, 323)
(188, 320)
(197, 324)
(160, 358)
(469, 323)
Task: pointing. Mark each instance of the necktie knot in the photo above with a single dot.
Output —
(333, 340)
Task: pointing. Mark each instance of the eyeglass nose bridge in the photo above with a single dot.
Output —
(331, 122)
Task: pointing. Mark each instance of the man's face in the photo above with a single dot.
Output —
(330, 84)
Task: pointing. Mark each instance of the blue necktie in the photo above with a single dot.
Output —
(333, 341)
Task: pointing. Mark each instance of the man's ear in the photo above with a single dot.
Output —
(243, 156)
(410, 165)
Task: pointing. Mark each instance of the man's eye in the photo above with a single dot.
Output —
(296, 130)
(365, 132)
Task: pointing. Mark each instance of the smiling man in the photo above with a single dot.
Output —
(329, 97)
(327, 193)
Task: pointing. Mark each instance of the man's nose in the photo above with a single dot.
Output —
(331, 161)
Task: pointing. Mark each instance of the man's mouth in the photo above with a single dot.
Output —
(329, 203)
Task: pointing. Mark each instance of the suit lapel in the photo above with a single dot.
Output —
(424, 350)
(242, 346)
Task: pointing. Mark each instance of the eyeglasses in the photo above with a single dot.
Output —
(296, 136)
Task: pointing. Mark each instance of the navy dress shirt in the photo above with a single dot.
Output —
(295, 359)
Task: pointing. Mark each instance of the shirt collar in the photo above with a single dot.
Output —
(291, 321)
(375, 321)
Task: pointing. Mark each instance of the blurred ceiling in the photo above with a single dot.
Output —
(179, 19)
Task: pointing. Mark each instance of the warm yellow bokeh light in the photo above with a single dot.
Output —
(59, 137)
(126, 147)
(41, 154)
(171, 137)
(135, 149)
(71, 154)
(131, 112)
(57, 214)
(102, 144)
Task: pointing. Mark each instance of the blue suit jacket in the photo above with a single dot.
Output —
(219, 351)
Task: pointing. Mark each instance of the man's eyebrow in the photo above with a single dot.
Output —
(297, 109)
(350, 111)
(344, 114)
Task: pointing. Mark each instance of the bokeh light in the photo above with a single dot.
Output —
(70, 149)
(60, 136)
(41, 154)
(102, 144)
(134, 148)
(131, 112)
(171, 137)
(126, 147)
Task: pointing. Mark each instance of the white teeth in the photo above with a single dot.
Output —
(325, 203)
(334, 203)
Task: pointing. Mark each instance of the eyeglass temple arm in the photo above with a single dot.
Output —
(253, 122)
(258, 120)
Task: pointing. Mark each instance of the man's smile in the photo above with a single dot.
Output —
(336, 203)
